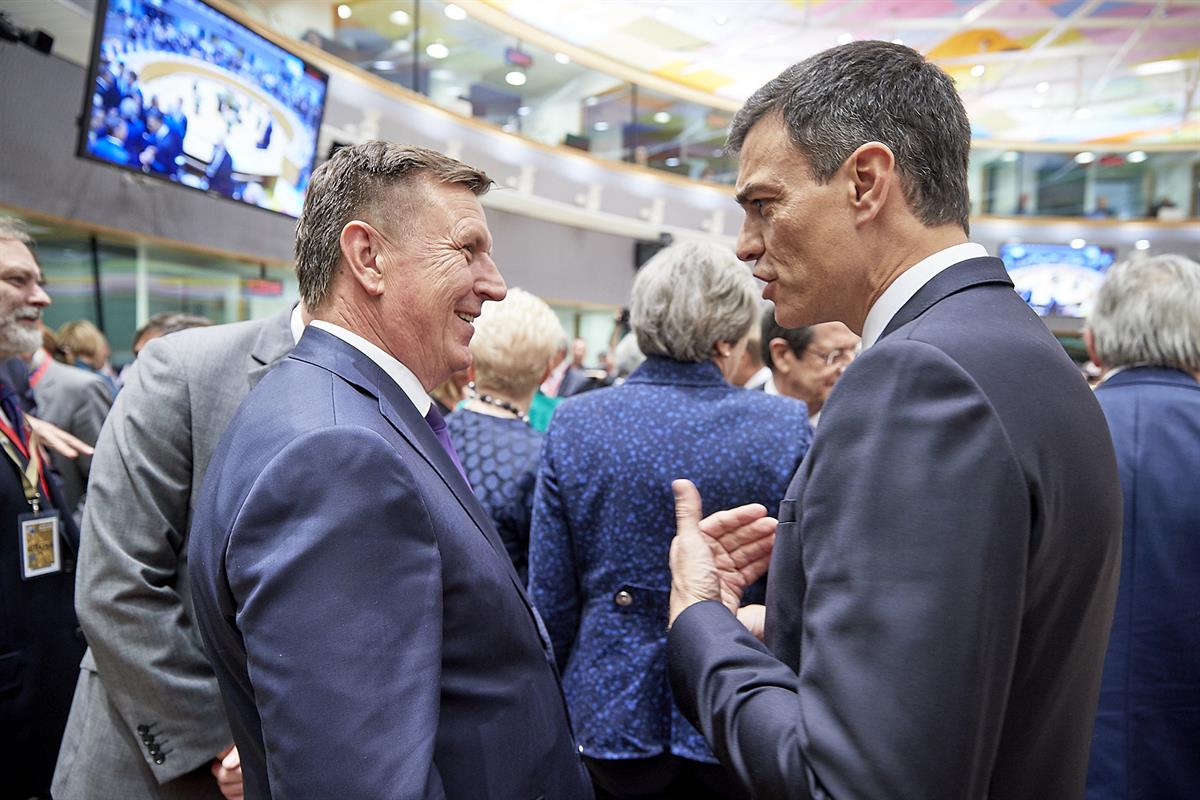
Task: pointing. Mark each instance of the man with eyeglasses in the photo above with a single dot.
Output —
(806, 362)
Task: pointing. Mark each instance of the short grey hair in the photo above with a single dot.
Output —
(14, 230)
(513, 343)
(1148, 312)
(690, 296)
(871, 91)
(627, 356)
(361, 180)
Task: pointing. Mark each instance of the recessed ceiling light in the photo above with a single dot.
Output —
(1142, 244)
(455, 12)
(591, 101)
(1042, 87)
(978, 70)
(562, 58)
(1083, 113)
(601, 126)
(524, 111)
(1160, 67)
(437, 50)
(515, 78)
(400, 18)
(846, 38)
(1086, 157)
(384, 65)
(1136, 157)
(1077, 244)
(1010, 156)
(672, 162)
(344, 11)
(662, 117)
(402, 45)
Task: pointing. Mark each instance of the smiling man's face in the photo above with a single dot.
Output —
(22, 299)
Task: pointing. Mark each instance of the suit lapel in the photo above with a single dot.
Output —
(955, 278)
(273, 343)
(328, 351)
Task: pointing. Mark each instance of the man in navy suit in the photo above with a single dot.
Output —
(162, 146)
(1145, 334)
(367, 628)
(220, 169)
(945, 564)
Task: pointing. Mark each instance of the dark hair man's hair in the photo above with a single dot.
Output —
(870, 91)
(358, 180)
(798, 339)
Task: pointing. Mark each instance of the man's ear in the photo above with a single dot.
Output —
(781, 355)
(871, 170)
(360, 247)
(1089, 341)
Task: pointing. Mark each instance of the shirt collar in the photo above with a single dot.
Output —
(401, 374)
(909, 282)
(297, 324)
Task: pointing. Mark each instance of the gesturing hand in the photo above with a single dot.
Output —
(718, 557)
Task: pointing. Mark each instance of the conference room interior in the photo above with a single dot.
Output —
(603, 145)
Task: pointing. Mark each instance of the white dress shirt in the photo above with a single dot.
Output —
(909, 283)
(297, 323)
(401, 374)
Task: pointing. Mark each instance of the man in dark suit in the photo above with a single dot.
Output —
(220, 170)
(40, 643)
(367, 628)
(162, 146)
(1143, 333)
(945, 564)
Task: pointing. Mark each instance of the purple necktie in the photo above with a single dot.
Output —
(438, 424)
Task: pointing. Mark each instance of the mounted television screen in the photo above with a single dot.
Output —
(1057, 279)
(180, 91)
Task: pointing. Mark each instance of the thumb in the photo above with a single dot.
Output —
(232, 760)
(687, 506)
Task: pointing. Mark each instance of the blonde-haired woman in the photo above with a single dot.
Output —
(512, 346)
(82, 344)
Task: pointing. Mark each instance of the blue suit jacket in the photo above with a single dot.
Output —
(1146, 743)
(364, 622)
(603, 521)
(943, 578)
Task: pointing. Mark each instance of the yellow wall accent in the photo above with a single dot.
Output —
(704, 79)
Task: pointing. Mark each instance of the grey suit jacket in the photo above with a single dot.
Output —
(76, 401)
(147, 709)
(943, 578)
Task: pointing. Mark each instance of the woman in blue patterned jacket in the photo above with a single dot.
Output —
(603, 514)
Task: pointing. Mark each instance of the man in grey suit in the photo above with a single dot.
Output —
(945, 565)
(147, 719)
(76, 401)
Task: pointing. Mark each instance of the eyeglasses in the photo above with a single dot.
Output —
(835, 358)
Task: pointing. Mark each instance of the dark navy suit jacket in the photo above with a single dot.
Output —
(40, 640)
(943, 578)
(1146, 744)
(366, 626)
(603, 521)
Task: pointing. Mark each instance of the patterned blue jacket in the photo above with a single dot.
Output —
(603, 520)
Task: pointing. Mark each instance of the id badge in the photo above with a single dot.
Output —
(41, 553)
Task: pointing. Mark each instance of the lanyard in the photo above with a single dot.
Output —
(37, 374)
(28, 465)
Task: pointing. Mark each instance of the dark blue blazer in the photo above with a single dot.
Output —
(367, 629)
(603, 521)
(40, 643)
(943, 578)
(220, 174)
(1146, 744)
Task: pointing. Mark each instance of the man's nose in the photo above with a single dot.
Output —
(491, 284)
(749, 243)
(38, 297)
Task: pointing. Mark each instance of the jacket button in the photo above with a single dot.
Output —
(143, 729)
(623, 598)
(147, 739)
(158, 759)
(153, 749)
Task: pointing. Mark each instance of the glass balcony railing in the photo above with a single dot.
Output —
(441, 51)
